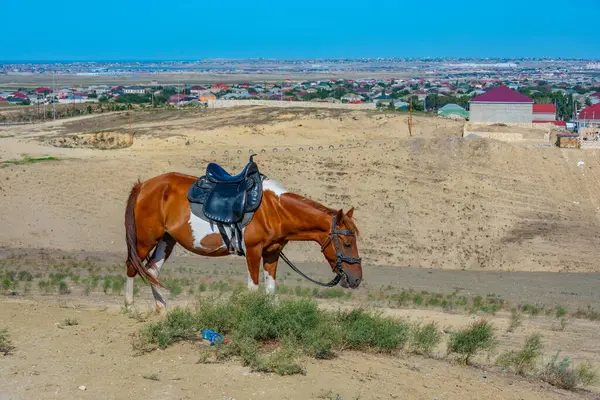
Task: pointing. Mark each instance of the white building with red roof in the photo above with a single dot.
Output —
(589, 116)
(544, 112)
(501, 104)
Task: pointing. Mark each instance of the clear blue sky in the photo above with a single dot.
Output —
(193, 29)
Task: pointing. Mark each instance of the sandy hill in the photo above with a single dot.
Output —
(433, 200)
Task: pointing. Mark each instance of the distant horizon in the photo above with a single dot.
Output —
(199, 59)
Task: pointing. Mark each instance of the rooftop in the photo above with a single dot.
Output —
(544, 108)
(590, 112)
(501, 94)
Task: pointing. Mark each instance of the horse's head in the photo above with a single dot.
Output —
(341, 251)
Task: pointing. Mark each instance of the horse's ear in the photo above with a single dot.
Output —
(350, 212)
(339, 216)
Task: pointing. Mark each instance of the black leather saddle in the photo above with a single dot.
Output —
(227, 200)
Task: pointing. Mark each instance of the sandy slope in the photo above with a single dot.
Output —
(431, 200)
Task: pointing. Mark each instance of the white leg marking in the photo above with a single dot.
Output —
(269, 283)
(251, 285)
(129, 292)
(200, 230)
(274, 186)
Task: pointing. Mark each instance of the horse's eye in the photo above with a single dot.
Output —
(347, 245)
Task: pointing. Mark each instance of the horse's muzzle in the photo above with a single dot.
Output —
(348, 281)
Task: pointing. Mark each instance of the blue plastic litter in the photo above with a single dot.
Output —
(213, 337)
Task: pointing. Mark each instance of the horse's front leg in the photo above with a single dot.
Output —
(270, 261)
(253, 256)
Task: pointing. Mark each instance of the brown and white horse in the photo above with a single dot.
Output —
(158, 216)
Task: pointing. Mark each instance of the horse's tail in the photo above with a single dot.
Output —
(134, 263)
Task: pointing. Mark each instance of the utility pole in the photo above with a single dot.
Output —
(410, 118)
(52, 98)
(130, 129)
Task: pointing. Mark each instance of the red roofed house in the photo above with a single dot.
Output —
(218, 87)
(179, 98)
(501, 104)
(19, 95)
(544, 112)
(43, 90)
(589, 116)
(197, 89)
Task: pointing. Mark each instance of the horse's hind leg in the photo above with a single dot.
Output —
(163, 250)
(143, 253)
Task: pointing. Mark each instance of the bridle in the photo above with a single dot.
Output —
(332, 238)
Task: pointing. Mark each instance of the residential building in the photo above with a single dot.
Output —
(383, 100)
(350, 97)
(453, 111)
(501, 104)
(197, 89)
(134, 90)
(43, 91)
(99, 89)
(179, 99)
(219, 87)
(589, 116)
(206, 96)
(544, 112)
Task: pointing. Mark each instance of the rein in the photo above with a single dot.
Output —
(333, 282)
(339, 257)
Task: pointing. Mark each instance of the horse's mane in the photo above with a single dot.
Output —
(349, 222)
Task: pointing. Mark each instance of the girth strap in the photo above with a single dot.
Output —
(236, 237)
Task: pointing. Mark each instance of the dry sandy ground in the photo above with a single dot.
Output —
(433, 200)
(52, 362)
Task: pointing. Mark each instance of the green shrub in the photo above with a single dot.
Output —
(469, 341)
(45, 287)
(283, 360)
(531, 310)
(63, 288)
(254, 321)
(425, 338)
(6, 345)
(589, 313)
(179, 324)
(516, 319)
(362, 330)
(25, 276)
(523, 361)
(560, 311)
(563, 374)
(588, 375)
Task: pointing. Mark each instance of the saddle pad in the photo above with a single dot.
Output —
(198, 210)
